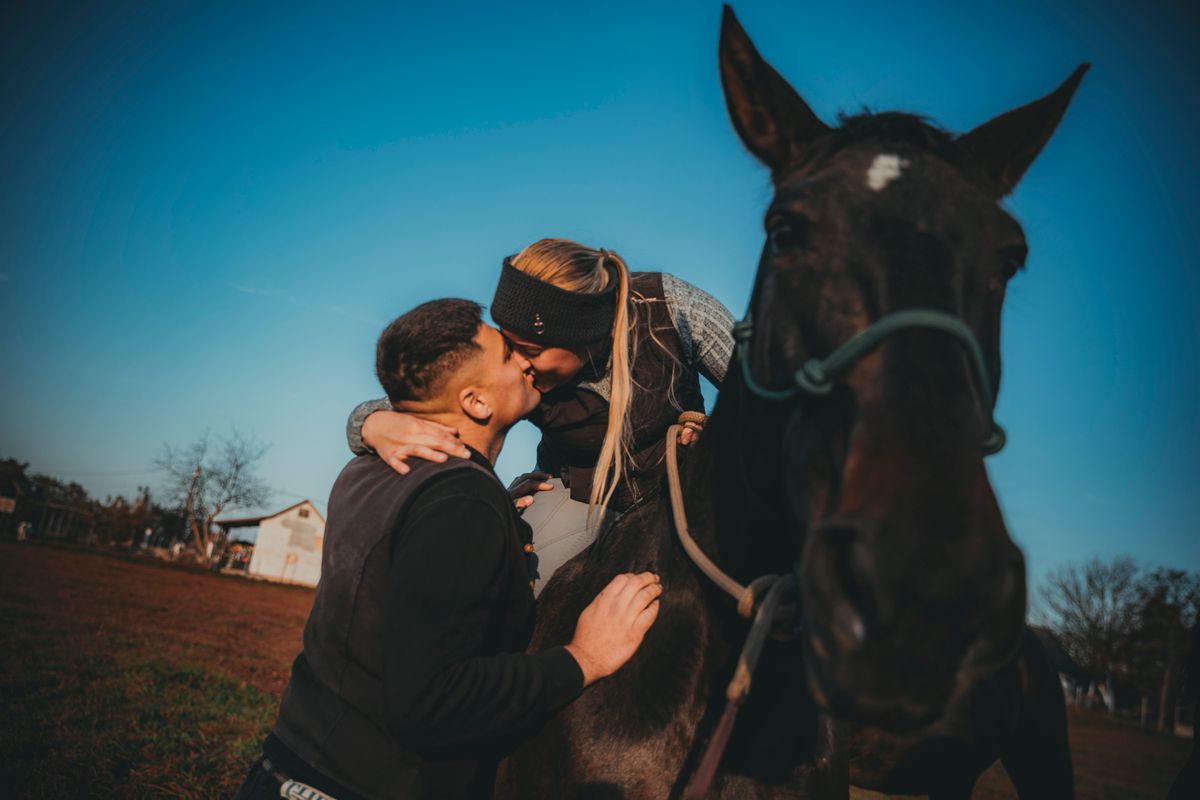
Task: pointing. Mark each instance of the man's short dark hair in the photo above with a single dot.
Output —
(423, 347)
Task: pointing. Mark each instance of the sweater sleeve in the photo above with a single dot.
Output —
(450, 578)
(705, 327)
(354, 424)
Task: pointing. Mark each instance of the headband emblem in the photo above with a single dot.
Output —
(539, 327)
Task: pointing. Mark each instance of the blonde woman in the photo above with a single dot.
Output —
(616, 355)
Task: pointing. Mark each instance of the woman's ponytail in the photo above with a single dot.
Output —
(614, 452)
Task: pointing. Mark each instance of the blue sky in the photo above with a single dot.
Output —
(208, 211)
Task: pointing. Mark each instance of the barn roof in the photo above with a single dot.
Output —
(247, 522)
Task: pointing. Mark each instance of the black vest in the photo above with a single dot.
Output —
(573, 420)
(331, 713)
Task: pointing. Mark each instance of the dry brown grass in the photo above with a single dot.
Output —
(128, 678)
(121, 678)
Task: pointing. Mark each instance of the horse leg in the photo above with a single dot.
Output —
(830, 778)
(1038, 761)
(1037, 757)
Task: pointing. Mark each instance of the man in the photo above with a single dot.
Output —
(412, 682)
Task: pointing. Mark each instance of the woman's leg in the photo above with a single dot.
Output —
(560, 530)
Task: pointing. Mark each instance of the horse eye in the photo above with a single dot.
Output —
(1011, 262)
(786, 234)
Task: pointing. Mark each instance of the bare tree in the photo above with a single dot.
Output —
(210, 475)
(1093, 609)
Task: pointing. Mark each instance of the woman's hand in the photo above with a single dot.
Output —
(395, 437)
(524, 487)
(691, 432)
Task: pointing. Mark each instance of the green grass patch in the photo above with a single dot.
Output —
(81, 724)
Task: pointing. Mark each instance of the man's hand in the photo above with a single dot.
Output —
(611, 628)
(396, 436)
(524, 487)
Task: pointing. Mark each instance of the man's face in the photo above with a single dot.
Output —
(506, 377)
(552, 366)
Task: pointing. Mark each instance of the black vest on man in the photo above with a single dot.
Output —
(333, 716)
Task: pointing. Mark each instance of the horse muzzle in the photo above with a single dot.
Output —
(891, 640)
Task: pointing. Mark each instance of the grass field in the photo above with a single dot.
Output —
(122, 678)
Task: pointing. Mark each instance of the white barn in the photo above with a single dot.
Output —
(287, 548)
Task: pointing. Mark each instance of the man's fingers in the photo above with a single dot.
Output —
(646, 618)
(613, 589)
(643, 579)
(634, 584)
(644, 597)
(621, 590)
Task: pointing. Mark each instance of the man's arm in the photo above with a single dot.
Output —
(451, 571)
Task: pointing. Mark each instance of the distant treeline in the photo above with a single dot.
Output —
(1128, 631)
(51, 508)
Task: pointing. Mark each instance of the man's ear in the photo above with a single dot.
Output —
(475, 404)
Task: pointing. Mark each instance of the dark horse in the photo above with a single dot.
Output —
(874, 496)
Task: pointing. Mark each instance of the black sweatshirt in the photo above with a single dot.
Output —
(456, 684)
(456, 687)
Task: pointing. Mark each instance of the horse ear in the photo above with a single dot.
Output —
(771, 119)
(1008, 144)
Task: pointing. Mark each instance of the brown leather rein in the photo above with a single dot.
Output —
(766, 600)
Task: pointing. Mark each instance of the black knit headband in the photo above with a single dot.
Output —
(545, 314)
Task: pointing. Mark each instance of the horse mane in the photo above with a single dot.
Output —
(896, 127)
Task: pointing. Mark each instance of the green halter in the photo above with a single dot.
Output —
(817, 376)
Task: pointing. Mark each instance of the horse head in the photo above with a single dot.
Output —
(911, 586)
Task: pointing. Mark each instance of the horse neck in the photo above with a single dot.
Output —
(752, 530)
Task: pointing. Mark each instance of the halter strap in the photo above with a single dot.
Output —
(817, 376)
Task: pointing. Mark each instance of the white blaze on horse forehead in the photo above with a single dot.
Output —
(885, 169)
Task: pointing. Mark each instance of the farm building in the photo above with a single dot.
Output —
(287, 546)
